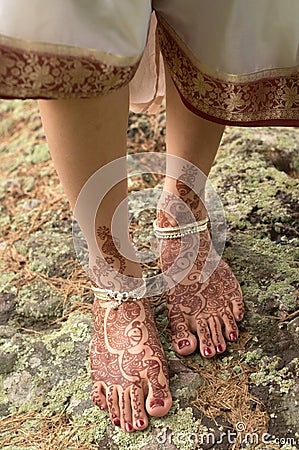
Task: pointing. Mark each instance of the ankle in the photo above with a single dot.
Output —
(179, 204)
(113, 263)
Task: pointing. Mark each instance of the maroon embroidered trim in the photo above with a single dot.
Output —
(31, 74)
(271, 97)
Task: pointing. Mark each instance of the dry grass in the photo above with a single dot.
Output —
(36, 431)
(225, 392)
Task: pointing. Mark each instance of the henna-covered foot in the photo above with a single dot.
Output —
(128, 367)
(202, 308)
(208, 309)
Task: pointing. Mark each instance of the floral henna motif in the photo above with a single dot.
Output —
(126, 355)
(185, 205)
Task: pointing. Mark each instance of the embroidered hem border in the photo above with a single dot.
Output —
(37, 73)
(269, 97)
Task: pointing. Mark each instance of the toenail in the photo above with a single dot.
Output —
(139, 423)
(240, 317)
(219, 348)
(102, 408)
(128, 427)
(116, 422)
(207, 351)
(233, 337)
(157, 402)
(183, 343)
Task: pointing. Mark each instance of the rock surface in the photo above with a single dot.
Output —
(45, 304)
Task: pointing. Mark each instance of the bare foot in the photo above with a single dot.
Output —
(210, 309)
(202, 308)
(128, 367)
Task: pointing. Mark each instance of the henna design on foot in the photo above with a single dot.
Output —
(127, 358)
(128, 366)
(194, 307)
(110, 249)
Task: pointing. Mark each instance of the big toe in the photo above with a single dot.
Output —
(231, 328)
(159, 399)
(183, 340)
(184, 343)
(217, 335)
(158, 406)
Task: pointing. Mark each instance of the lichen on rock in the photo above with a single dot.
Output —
(46, 327)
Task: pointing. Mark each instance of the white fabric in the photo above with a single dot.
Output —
(230, 36)
(237, 36)
(114, 26)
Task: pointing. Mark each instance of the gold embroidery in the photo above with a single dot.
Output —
(258, 97)
(35, 47)
(32, 74)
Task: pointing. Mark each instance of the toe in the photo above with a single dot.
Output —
(125, 410)
(184, 342)
(231, 329)
(113, 405)
(140, 420)
(216, 333)
(207, 348)
(158, 406)
(98, 396)
(238, 306)
(159, 399)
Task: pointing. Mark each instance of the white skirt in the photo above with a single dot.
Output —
(232, 61)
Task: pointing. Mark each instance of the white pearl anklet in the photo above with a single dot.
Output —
(181, 230)
(113, 299)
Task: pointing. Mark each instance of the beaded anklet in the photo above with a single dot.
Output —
(180, 231)
(113, 299)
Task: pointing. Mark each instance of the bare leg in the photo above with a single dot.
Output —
(193, 307)
(128, 367)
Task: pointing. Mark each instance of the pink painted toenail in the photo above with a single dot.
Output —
(139, 423)
(183, 343)
(233, 337)
(157, 402)
(116, 422)
(102, 408)
(128, 427)
(207, 351)
(219, 348)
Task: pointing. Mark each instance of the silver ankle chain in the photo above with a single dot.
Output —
(180, 231)
(113, 299)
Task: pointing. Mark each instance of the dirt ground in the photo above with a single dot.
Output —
(247, 398)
